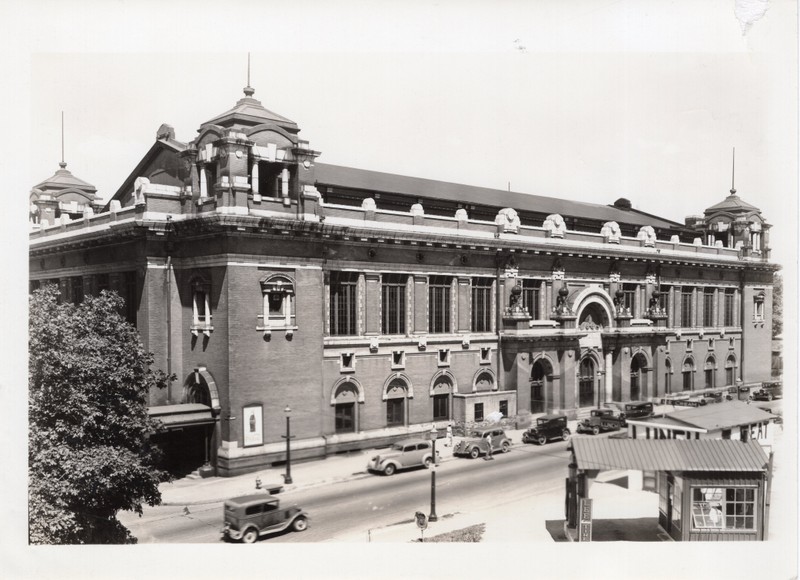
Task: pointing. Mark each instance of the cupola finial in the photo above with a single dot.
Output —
(248, 90)
(733, 172)
(63, 164)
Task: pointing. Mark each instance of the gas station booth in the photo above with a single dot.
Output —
(709, 489)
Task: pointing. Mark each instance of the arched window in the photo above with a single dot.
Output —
(730, 370)
(586, 382)
(667, 376)
(709, 371)
(441, 398)
(540, 377)
(688, 375)
(484, 382)
(396, 403)
(346, 408)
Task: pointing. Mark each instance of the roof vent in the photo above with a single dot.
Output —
(623, 203)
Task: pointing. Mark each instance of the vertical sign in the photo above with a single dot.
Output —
(585, 525)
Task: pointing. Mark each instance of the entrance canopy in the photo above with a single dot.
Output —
(668, 455)
(186, 415)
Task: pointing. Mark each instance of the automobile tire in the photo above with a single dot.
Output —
(506, 447)
(595, 430)
(300, 524)
(769, 396)
(474, 453)
(250, 536)
(389, 469)
(428, 462)
(541, 440)
(565, 435)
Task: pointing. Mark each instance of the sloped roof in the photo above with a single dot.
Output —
(725, 416)
(250, 111)
(349, 177)
(63, 180)
(669, 454)
(732, 204)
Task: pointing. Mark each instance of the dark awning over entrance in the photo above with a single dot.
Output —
(186, 415)
(669, 455)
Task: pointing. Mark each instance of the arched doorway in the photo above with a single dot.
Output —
(541, 377)
(587, 376)
(638, 377)
(710, 373)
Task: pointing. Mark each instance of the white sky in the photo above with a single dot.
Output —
(641, 99)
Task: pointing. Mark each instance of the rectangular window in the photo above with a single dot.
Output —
(444, 357)
(347, 361)
(728, 307)
(394, 412)
(664, 303)
(724, 509)
(394, 303)
(531, 292)
(440, 408)
(709, 378)
(504, 408)
(481, 305)
(439, 304)
(708, 308)
(486, 355)
(103, 283)
(343, 301)
(345, 417)
(77, 289)
(398, 359)
(686, 307)
(629, 298)
(478, 411)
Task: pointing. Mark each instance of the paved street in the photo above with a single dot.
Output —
(372, 501)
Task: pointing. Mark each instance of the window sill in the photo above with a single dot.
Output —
(205, 329)
(267, 330)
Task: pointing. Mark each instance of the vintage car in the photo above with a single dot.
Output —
(476, 443)
(769, 391)
(548, 427)
(249, 516)
(402, 455)
(601, 420)
(636, 410)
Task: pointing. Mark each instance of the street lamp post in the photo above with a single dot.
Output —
(287, 479)
(433, 517)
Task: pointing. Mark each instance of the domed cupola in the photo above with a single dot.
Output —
(63, 193)
(249, 112)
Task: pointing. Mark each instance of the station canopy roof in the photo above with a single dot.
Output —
(184, 415)
(669, 454)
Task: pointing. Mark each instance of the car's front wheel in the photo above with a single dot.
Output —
(389, 469)
(565, 435)
(300, 524)
(506, 447)
(595, 430)
(250, 536)
(427, 463)
(541, 440)
(474, 452)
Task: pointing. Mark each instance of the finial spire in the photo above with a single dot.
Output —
(733, 172)
(248, 90)
(62, 165)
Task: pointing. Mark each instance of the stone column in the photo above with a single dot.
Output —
(419, 307)
(609, 376)
(254, 178)
(203, 182)
(372, 303)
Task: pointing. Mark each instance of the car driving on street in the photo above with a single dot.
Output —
(248, 517)
(601, 420)
(548, 427)
(476, 443)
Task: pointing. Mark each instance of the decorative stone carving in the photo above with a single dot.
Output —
(562, 308)
(507, 220)
(555, 226)
(461, 214)
(465, 340)
(139, 186)
(422, 343)
(697, 242)
(373, 344)
(417, 209)
(558, 270)
(647, 235)
(368, 204)
(590, 324)
(613, 272)
(611, 232)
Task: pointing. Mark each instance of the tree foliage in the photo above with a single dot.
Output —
(89, 454)
(777, 304)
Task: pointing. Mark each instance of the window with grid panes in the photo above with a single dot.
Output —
(393, 293)
(343, 303)
(718, 508)
(730, 295)
(394, 412)
(664, 302)
(628, 297)
(531, 290)
(708, 308)
(686, 307)
(481, 304)
(439, 304)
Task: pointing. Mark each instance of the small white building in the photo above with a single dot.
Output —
(731, 420)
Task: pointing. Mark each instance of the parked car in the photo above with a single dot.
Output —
(548, 427)
(769, 391)
(402, 455)
(476, 445)
(636, 410)
(249, 516)
(601, 420)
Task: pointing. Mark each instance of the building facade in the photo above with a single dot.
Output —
(372, 305)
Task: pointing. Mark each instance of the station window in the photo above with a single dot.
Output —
(724, 509)
(347, 361)
(398, 359)
(730, 295)
(758, 306)
(708, 308)
(278, 304)
(531, 294)
(481, 305)
(393, 303)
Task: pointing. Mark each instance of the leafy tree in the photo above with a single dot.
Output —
(89, 454)
(777, 304)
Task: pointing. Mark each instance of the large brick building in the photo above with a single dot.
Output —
(374, 305)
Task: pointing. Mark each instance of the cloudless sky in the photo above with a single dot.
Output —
(588, 100)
